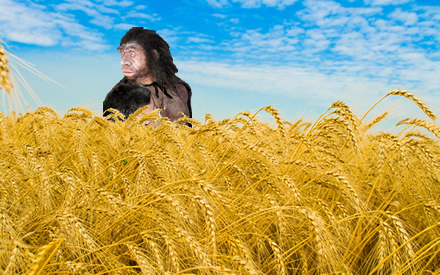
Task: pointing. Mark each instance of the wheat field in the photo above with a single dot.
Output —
(84, 195)
(80, 194)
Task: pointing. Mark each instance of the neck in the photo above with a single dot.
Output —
(146, 80)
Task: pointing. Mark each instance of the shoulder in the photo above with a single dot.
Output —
(182, 85)
(126, 93)
(123, 86)
(126, 88)
(186, 90)
(183, 90)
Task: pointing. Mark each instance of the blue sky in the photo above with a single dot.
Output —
(237, 55)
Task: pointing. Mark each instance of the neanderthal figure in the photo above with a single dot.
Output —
(149, 78)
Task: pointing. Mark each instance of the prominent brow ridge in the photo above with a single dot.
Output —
(126, 48)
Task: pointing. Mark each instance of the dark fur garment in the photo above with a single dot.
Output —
(126, 97)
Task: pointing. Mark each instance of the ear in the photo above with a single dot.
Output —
(155, 54)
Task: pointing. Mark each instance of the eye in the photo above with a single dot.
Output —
(132, 53)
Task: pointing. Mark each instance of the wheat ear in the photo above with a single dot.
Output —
(411, 97)
(44, 257)
(4, 70)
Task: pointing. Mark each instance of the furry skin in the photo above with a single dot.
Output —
(126, 97)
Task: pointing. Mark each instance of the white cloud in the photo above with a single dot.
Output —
(92, 10)
(217, 3)
(345, 48)
(199, 40)
(316, 40)
(331, 14)
(304, 83)
(291, 81)
(386, 2)
(105, 9)
(383, 44)
(103, 21)
(196, 44)
(221, 16)
(252, 3)
(364, 33)
(151, 17)
(255, 43)
(407, 18)
(63, 23)
(36, 25)
(123, 3)
(43, 37)
(123, 26)
(268, 3)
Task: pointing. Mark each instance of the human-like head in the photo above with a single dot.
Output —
(141, 46)
(134, 62)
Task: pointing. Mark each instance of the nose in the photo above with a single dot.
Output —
(125, 60)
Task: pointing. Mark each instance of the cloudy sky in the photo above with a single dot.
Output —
(237, 55)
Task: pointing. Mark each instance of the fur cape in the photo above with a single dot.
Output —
(126, 97)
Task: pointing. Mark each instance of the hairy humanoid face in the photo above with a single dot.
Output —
(134, 62)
